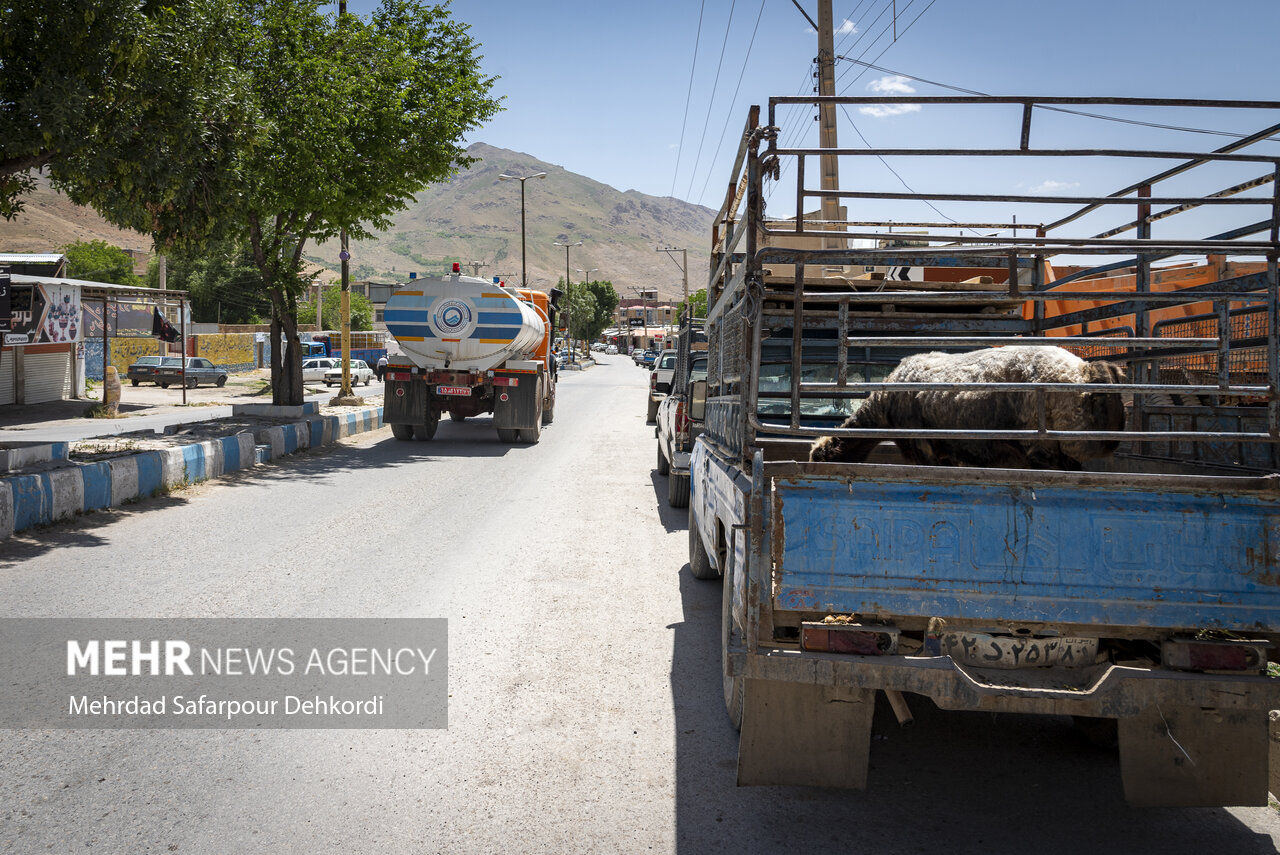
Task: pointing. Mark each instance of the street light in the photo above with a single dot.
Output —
(569, 294)
(524, 279)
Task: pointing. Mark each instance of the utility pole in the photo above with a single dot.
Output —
(345, 256)
(475, 267)
(684, 267)
(568, 293)
(830, 163)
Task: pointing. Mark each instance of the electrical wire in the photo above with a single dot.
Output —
(714, 88)
(688, 98)
(732, 102)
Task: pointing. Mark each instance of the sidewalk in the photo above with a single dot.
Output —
(54, 463)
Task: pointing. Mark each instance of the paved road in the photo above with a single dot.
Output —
(585, 711)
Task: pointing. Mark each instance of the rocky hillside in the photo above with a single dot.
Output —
(473, 219)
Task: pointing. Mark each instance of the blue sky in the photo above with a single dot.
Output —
(601, 88)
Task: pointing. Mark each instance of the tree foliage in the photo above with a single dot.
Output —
(224, 284)
(298, 125)
(361, 311)
(99, 261)
(697, 301)
(132, 105)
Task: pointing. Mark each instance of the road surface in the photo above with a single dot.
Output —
(585, 711)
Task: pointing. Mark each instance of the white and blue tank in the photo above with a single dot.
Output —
(461, 323)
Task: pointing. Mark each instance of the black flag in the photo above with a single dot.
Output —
(161, 328)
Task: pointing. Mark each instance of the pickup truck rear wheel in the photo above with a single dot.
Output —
(653, 412)
(734, 687)
(699, 561)
(663, 466)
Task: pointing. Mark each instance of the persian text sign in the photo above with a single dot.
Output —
(224, 673)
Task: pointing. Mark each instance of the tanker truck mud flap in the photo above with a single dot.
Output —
(805, 734)
(404, 403)
(517, 405)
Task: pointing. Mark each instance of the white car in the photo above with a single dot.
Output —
(313, 369)
(611, 349)
(360, 372)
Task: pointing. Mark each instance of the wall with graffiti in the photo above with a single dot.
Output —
(235, 351)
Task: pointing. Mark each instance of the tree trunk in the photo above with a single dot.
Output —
(286, 366)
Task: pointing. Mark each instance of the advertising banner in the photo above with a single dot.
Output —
(44, 314)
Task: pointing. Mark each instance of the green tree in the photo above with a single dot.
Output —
(361, 311)
(99, 261)
(131, 105)
(697, 301)
(351, 118)
(224, 284)
(605, 302)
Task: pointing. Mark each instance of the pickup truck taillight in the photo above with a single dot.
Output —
(653, 380)
(682, 421)
(1195, 654)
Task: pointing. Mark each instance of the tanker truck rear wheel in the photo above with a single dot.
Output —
(402, 432)
(457, 417)
(508, 434)
(422, 433)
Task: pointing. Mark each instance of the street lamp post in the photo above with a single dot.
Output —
(524, 278)
(586, 277)
(569, 294)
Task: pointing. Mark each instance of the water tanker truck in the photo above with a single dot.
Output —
(470, 347)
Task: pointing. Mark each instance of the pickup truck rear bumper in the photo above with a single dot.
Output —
(1103, 691)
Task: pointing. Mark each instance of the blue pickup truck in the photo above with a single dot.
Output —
(1140, 595)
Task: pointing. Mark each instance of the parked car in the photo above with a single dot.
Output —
(664, 368)
(360, 371)
(143, 370)
(611, 349)
(199, 370)
(680, 420)
(313, 369)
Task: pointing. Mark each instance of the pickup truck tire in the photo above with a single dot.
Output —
(678, 489)
(403, 432)
(653, 412)
(734, 687)
(699, 561)
(663, 466)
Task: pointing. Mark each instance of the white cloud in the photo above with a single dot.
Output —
(847, 28)
(894, 84)
(887, 110)
(1048, 186)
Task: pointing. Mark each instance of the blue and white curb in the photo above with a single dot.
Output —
(40, 498)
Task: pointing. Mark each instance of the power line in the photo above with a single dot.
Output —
(733, 101)
(714, 87)
(688, 98)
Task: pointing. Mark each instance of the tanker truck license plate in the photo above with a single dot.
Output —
(453, 390)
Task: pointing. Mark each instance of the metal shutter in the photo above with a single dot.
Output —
(48, 376)
(7, 395)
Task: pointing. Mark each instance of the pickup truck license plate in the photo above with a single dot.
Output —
(983, 650)
(454, 390)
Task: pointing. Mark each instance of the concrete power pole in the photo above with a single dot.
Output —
(827, 118)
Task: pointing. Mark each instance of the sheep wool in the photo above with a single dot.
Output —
(961, 409)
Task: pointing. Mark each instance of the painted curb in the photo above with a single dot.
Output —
(37, 499)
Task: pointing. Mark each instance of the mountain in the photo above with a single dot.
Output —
(472, 218)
